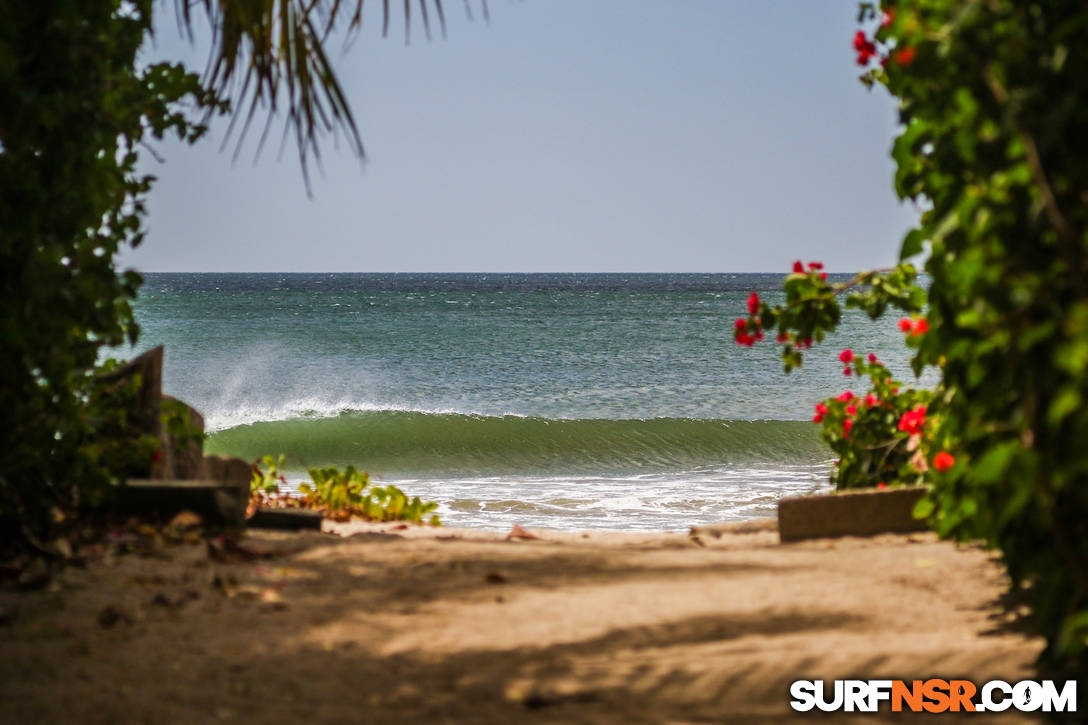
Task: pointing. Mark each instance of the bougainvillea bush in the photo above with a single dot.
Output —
(993, 102)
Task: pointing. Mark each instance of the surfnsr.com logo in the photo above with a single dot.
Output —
(934, 695)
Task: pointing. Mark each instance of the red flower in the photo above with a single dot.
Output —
(889, 16)
(912, 421)
(872, 358)
(943, 461)
(851, 410)
(823, 276)
(740, 324)
(905, 324)
(753, 303)
(865, 48)
(846, 426)
(871, 400)
(782, 337)
(846, 356)
(745, 339)
(846, 371)
(758, 336)
(921, 327)
(815, 265)
(798, 268)
(806, 343)
(845, 397)
(821, 411)
(904, 56)
(882, 485)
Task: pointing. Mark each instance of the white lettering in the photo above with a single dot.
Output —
(1065, 701)
(1027, 696)
(856, 696)
(879, 690)
(988, 702)
(803, 694)
(833, 705)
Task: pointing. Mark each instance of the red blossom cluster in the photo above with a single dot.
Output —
(866, 49)
(799, 268)
(748, 331)
(753, 303)
(943, 461)
(741, 332)
(913, 328)
(846, 357)
(852, 401)
(912, 421)
(904, 56)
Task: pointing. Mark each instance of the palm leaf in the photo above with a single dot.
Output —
(269, 56)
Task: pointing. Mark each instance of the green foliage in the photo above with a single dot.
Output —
(268, 480)
(340, 494)
(865, 431)
(812, 308)
(179, 425)
(74, 109)
(334, 489)
(993, 146)
(115, 442)
(389, 503)
(346, 492)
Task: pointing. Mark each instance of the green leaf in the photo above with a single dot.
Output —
(992, 465)
(923, 508)
(1064, 405)
(912, 244)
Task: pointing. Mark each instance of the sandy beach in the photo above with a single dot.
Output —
(385, 624)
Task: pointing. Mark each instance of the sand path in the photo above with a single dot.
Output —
(452, 626)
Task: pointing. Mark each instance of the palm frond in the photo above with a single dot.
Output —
(269, 56)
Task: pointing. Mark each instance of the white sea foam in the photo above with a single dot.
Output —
(312, 408)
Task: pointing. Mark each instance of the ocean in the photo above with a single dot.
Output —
(568, 401)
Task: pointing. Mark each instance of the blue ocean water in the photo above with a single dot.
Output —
(573, 401)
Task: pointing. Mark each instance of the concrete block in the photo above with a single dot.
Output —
(285, 519)
(861, 512)
(217, 503)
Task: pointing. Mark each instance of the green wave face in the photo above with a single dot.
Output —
(405, 443)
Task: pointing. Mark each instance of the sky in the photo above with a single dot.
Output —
(561, 136)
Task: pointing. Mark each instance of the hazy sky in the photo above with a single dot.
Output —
(592, 135)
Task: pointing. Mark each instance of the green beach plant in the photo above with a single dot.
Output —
(340, 494)
(345, 493)
(992, 148)
(268, 479)
(335, 490)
